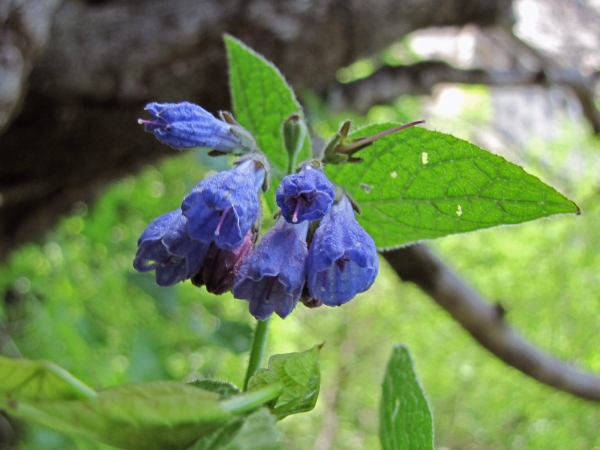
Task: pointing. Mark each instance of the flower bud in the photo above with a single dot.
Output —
(294, 134)
(185, 125)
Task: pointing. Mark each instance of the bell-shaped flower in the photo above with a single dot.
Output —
(342, 260)
(273, 275)
(306, 195)
(185, 125)
(222, 266)
(223, 208)
(165, 247)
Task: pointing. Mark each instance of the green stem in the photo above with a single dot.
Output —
(248, 401)
(291, 163)
(258, 349)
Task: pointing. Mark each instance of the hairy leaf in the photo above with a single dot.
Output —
(405, 419)
(223, 388)
(39, 380)
(159, 415)
(256, 431)
(419, 184)
(262, 101)
(299, 373)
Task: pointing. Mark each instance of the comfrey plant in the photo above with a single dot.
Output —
(336, 263)
(372, 189)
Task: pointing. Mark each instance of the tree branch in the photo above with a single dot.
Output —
(388, 83)
(74, 76)
(485, 322)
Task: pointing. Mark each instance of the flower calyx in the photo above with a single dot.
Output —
(339, 151)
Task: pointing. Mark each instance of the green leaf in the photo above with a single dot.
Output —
(262, 101)
(223, 388)
(39, 380)
(420, 184)
(159, 415)
(299, 373)
(406, 422)
(256, 431)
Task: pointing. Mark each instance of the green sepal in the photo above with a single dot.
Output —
(295, 134)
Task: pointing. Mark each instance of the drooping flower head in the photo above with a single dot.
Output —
(224, 207)
(165, 247)
(222, 266)
(273, 275)
(342, 260)
(306, 195)
(185, 125)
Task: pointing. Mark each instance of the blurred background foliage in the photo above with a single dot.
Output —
(76, 300)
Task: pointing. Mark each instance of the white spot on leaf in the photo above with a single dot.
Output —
(424, 157)
(394, 174)
(396, 409)
(459, 211)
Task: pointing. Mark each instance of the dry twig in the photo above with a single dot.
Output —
(486, 323)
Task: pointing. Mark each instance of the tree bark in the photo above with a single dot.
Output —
(74, 76)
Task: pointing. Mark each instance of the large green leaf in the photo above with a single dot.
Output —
(159, 415)
(299, 373)
(256, 431)
(262, 101)
(405, 419)
(419, 184)
(39, 380)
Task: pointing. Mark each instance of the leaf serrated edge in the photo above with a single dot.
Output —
(228, 38)
(389, 125)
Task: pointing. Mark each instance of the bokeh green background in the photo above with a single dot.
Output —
(75, 299)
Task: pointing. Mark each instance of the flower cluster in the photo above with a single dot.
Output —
(316, 253)
(210, 235)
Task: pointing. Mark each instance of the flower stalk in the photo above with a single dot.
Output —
(259, 343)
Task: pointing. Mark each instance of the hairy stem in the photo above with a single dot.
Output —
(242, 403)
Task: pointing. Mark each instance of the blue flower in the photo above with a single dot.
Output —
(165, 247)
(185, 125)
(222, 266)
(224, 207)
(342, 260)
(273, 275)
(307, 195)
